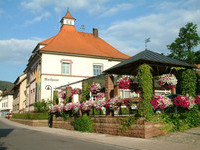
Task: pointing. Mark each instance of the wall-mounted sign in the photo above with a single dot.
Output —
(50, 79)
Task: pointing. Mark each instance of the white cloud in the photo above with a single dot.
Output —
(115, 9)
(129, 35)
(17, 51)
(91, 6)
(61, 5)
(38, 18)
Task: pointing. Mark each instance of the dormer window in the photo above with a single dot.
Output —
(67, 19)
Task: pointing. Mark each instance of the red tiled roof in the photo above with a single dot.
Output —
(45, 42)
(68, 16)
(69, 40)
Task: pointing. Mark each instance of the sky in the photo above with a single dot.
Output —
(125, 24)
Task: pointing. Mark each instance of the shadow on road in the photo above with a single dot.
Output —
(5, 132)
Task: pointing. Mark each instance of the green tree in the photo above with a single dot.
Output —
(183, 46)
(197, 57)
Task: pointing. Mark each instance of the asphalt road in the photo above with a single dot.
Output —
(17, 138)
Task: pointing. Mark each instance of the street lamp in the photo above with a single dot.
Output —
(48, 87)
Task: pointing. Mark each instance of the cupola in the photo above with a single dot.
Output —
(67, 19)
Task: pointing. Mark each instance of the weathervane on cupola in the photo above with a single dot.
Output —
(67, 19)
(147, 41)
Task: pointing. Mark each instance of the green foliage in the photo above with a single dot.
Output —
(83, 124)
(55, 98)
(146, 86)
(5, 85)
(85, 92)
(65, 115)
(182, 47)
(188, 82)
(198, 85)
(124, 111)
(69, 99)
(41, 106)
(96, 112)
(128, 122)
(31, 116)
(183, 121)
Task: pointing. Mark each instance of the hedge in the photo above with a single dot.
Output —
(31, 116)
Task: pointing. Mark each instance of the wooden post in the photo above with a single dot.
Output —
(173, 90)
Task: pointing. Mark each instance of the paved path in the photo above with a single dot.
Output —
(116, 141)
(191, 136)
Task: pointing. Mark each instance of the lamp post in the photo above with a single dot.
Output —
(48, 87)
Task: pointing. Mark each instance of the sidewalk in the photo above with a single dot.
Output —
(128, 142)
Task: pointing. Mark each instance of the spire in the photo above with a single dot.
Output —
(67, 19)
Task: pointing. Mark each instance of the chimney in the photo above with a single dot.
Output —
(95, 32)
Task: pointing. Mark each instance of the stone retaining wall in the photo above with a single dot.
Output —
(105, 125)
(112, 125)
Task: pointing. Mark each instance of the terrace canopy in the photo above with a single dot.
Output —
(160, 64)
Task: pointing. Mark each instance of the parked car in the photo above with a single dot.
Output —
(8, 115)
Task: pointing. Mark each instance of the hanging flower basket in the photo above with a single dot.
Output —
(168, 80)
(95, 87)
(123, 83)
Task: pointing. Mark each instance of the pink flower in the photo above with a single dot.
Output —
(123, 83)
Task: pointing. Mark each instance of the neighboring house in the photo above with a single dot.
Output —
(6, 102)
(65, 58)
(19, 91)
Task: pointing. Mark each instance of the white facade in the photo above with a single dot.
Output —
(80, 68)
(6, 104)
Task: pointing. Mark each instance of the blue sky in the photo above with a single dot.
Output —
(123, 23)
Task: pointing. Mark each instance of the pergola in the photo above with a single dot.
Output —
(160, 64)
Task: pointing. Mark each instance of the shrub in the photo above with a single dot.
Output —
(83, 124)
(188, 82)
(31, 116)
(41, 106)
(183, 121)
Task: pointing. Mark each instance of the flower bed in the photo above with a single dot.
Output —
(184, 101)
(160, 102)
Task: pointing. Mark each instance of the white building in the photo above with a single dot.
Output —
(65, 58)
(6, 102)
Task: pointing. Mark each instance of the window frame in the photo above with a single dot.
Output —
(97, 64)
(70, 66)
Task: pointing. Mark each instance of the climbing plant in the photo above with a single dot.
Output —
(55, 98)
(146, 87)
(188, 82)
(85, 92)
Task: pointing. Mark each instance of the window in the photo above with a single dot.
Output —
(66, 68)
(127, 93)
(97, 69)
